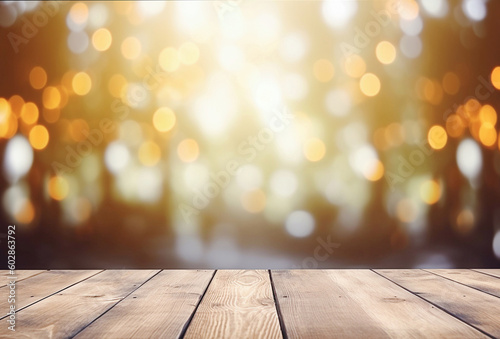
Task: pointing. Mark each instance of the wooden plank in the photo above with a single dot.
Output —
(492, 271)
(158, 309)
(64, 314)
(20, 274)
(238, 304)
(474, 307)
(357, 304)
(477, 280)
(31, 290)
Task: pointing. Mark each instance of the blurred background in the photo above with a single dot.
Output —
(255, 134)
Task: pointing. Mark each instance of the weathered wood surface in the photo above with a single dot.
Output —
(238, 304)
(479, 309)
(254, 304)
(65, 313)
(40, 286)
(159, 309)
(358, 304)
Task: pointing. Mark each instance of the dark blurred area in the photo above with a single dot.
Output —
(250, 134)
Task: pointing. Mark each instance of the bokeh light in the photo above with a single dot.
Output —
(314, 149)
(323, 70)
(131, 48)
(386, 52)
(437, 137)
(81, 83)
(164, 119)
(369, 84)
(101, 39)
(58, 188)
(51, 97)
(188, 150)
(255, 131)
(39, 137)
(38, 77)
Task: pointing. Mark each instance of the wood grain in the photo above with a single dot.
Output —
(20, 274)
(30, 291)
(492, 271)
(474, 307)
(158, 309)
(238, 304)
(477, 280)
(64, 314)
(357, 304)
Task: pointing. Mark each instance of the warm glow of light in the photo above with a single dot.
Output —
(474, 127)
(495, 77)
(101, 39)
(38, 77)
(369, 84)
(51, 97)
(451, 83)
(16, 103)
(406, 210)
(386, 52)
(29, 113)
(355, 66)
(169, 59)
(323, 70)
(26, 214)
(149, 153)
(116, 85)
(64, 96)
(67, 80)
(487, 134)
(430, 192)
(455, 126)
(58, 188)
(82, 210)
(79, 13)
(4, 107)
(314, 149)
(39, 137)
(254, 201)
(437, 137)
(488, 114)
(465, 221)
(472, 107)
(408, 9)
(131, 48)
(375, 171)
(188, 150)
(189, 53)
(431, 91)
(81, 83)
(164, 119)
(8, 121)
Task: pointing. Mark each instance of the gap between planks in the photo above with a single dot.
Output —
(436, 304)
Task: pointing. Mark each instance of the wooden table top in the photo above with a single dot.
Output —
(458, 303)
